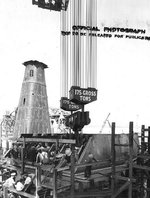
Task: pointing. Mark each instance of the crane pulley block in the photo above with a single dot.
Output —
(56, 5)
(78, 120)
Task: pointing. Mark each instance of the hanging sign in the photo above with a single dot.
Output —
(67, 105)
(82, 96)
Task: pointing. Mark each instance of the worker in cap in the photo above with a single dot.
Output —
(19, 184)
(13, 174)
(68, 155)
(88, 168)
(10, 181)
(66, 158)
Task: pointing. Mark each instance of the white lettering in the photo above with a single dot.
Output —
(71, 106)
(66, 101)
(85, 98)
(78, 92)
(89, 93)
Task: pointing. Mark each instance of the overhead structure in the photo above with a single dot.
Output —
(78, 60)
(78, 81)
(56, 5)
(79, 46)
(32, 115)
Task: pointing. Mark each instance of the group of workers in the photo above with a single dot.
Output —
(40, 153)
(47, 153)
(18, 182)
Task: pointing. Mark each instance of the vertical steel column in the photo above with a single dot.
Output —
(64, 54)
(88, 42)
(113, 157)
(91, 43)
(79, 44)
(75, 43)
(82, 42)
(22, 156)
(55, 183)
(72, 13)
(5, 192)
(82, 47)
(38, 179)
(148, 179)
(94, 46)
(70, 45)
(55, 173)
(142, 139)
(38, 176)
(130, 158)
(72, 170)
(149, 140)
(142, 161)
(1, 129)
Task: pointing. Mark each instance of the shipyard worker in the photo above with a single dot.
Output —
(47, 147)
(19, 184)
(68, 155)
(42, 156)
(13, 152)
(19, 149)
(88, 168)
(66, 158)
(38, 146)
(32, 153)
(14, 155)
(29, 185)
(10, 182)
(28, 180)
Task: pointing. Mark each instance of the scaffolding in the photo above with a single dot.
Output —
(128, 178)
(143, 164)
(115, 177)
(136, 180)
(53, 187)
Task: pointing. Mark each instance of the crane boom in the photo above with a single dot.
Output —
(104, 123)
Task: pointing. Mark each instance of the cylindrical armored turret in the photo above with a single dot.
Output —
(32, 114)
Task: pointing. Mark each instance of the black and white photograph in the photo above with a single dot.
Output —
(74, 99)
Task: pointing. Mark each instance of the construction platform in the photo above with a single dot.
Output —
(119, 166)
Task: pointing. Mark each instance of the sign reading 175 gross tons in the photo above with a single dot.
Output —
(82, 96)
